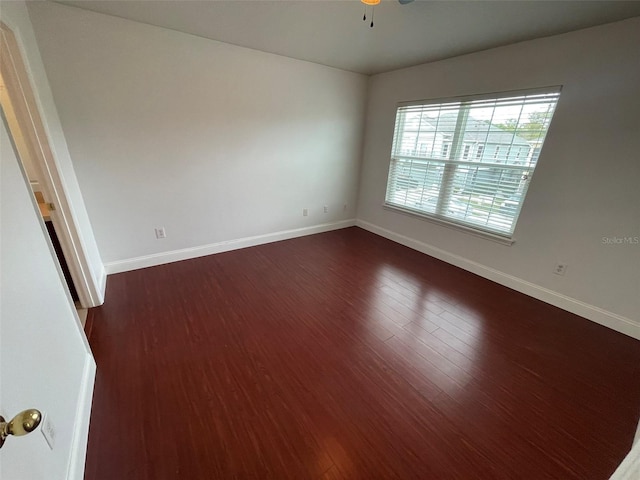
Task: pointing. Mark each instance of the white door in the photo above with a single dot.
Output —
(45, 360)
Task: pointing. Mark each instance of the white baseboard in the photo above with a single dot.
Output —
(226, 246)
(102, 286)
(590, 312)
(83, 416)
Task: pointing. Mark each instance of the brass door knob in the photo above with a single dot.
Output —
(24, 422)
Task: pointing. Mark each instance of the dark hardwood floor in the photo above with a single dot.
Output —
(346, 356)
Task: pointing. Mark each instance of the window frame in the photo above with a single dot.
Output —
(450, 163)
(466, 151)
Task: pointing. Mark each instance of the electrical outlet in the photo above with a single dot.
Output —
(161, 233)
(326, 209)
(560, 268)
(305, 212)
(48, 431)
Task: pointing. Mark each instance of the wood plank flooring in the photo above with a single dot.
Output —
(346, 356)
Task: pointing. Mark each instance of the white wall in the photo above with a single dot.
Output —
(15, 15)
(214, 142)
(587, 184)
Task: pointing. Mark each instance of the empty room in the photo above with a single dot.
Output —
(319, 239)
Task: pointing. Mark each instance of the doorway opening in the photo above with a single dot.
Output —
(31, 173)
(26, 128)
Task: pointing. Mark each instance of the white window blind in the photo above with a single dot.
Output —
(469, 161)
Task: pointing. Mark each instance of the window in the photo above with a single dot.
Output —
(445, 150)
(484, 193)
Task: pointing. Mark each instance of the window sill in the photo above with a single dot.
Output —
(453, 226)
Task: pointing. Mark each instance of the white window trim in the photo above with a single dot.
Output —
(482, 96)
(506, 239)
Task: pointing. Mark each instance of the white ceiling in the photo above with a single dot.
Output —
(331, 32)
